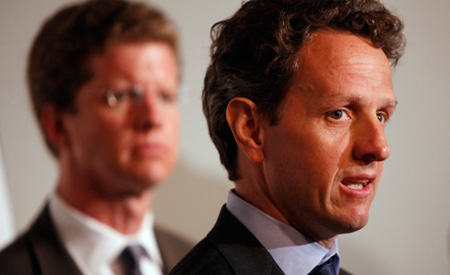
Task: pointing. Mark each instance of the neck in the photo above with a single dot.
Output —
(253, 188)
(122, 210)
(257, 197)
(123, 214)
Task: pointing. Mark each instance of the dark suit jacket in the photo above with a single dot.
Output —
(229, 248)
(40, 251)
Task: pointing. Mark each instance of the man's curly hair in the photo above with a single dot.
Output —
(254, 53)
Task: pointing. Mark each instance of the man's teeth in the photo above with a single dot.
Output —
(356, 186)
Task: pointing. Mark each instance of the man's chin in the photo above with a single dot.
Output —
(353, 224)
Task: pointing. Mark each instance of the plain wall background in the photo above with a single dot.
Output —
(409, 227)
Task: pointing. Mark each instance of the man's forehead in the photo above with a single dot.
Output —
(343, 68)
(334, 55)
(330, 44)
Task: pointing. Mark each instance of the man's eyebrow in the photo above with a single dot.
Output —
(354, 98)
(392, 103)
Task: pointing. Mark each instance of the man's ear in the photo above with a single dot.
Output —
(246, 124)
(53, 126)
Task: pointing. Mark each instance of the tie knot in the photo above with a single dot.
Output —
(327, 268)
(129, 259)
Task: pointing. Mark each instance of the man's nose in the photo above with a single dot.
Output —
(370, 142)
(148, 111)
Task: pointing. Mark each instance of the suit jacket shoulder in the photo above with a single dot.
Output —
(229, 248)
(172, 247)
(204, 259)
(17, 258)
(38, 251)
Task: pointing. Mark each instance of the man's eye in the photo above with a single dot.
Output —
(114, 97)
(167, 97)
(120, 95)
(338, 115)
(382, 117)
(136, 93)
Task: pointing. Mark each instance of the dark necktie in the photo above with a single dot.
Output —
(327, 268)
(130, 259)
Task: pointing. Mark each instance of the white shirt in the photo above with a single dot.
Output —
(95, 246)
(292, 251)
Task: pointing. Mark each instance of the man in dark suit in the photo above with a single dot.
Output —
(297, 96)
(103, 78)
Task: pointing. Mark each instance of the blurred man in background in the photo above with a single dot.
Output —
(103, 78)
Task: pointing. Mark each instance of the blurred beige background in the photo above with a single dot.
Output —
(409, 228)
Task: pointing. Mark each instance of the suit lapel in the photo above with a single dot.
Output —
(50, 254)
(242, 250)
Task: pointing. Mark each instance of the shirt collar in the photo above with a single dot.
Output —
(292, 251)
(93, 245)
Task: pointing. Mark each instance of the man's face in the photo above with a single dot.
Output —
(132, 144)
(324, 159)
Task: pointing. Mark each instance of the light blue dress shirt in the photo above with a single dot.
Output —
(291, 250)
